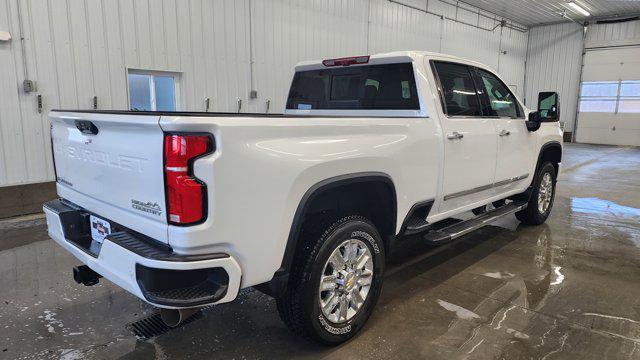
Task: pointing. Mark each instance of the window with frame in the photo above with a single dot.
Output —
(622, 96)
(502, 102)
(368, 87)
(153, 90)
(629, 99)
(599, 96)
(457, 89)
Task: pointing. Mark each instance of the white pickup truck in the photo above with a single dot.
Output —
(185, 209)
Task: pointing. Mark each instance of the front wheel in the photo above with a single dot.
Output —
(541, 200)
(335, 281)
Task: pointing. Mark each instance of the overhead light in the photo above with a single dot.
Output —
(577, 8)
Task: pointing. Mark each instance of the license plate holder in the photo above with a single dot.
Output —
(100, 228)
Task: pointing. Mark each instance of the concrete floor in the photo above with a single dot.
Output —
(567, 289)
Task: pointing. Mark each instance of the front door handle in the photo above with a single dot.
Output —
(455, 135)
(505, 133)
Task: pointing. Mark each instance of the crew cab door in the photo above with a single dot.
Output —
(515, 142)
(470, 144)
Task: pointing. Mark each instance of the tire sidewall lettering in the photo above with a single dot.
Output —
(332, 329)
(366, 236)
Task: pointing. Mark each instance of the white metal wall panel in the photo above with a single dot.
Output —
(442, 8)
(98, 55)
(396, 27)
(40, 62)
(467, 42)
(12, 162)
(513, 47)
(63, 56)
(553, 64)
(288, 31)
(78, 49)
(80, 32)
(615, 34)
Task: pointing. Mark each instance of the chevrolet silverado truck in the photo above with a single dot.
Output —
(185, 209)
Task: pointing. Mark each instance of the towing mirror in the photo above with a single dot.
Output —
(548, 106)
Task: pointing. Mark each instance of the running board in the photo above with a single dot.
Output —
(457, 230)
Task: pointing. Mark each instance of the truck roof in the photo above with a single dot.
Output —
(393, 57)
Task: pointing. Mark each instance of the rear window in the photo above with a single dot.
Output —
(370, 87)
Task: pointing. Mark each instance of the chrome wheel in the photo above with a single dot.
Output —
(346, 280)
(545, 193)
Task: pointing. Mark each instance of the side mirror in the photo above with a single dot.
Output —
(534, 121)
(548, 106)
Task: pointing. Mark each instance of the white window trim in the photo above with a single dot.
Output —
(177, 79)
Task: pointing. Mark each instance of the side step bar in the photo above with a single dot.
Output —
(416, 225)
(459, 229)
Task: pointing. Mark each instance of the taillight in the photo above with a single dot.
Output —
(355, 60)
(186, 194)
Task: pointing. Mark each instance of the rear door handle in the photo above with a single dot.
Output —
(505, 133)
(455, 135)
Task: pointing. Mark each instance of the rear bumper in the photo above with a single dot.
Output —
(153, 274)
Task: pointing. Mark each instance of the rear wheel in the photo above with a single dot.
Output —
(335, 281)
(541, 200)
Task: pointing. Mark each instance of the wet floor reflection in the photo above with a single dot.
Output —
(603, 207)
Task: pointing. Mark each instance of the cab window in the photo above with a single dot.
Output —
(457, 90)
(499, 100)
(369, 87)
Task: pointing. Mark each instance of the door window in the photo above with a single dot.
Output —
(458, 93)
(152, 90)
(501, 101)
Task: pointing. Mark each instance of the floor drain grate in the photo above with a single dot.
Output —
(152, 326)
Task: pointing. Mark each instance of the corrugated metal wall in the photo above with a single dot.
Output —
(553, 64)
(77, 49)
(554, 59)
(614, 34)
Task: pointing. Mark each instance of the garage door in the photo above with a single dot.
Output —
(609, 107)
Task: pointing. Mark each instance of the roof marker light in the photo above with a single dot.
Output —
(354, 60)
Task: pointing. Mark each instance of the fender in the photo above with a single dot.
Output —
(526, 195)
(280, 280)
(544, 147)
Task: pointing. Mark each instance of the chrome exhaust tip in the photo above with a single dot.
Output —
(175, 317)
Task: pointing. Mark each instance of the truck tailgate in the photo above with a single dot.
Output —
(112, 165)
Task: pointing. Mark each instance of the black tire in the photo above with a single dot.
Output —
(532, 215)
(299, 307)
